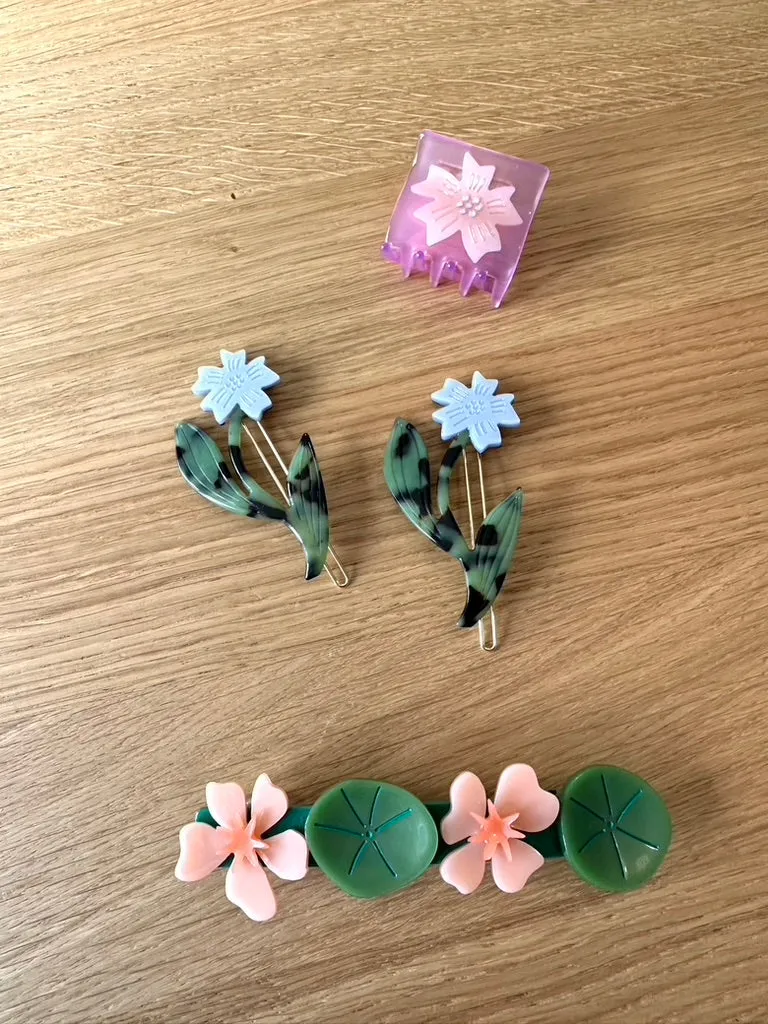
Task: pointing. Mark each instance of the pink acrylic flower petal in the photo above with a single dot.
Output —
(439, 182)
(464, 868)
(511, 873)
(226, 802)
(441, 218)
(479, 237)
(501, 211)
(519, 792)
(287, 855)
(474, 176)
(247, 886)
(202, 849)
(467, 798)
(268, 804)
(469, 206)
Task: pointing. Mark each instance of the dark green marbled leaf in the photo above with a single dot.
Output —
(491, 558)
(262, 503)
(205, 470)
(308, 514)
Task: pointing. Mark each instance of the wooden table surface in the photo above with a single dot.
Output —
(183, 176)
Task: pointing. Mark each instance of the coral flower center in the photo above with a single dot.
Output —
(243, 843)
(495, 831)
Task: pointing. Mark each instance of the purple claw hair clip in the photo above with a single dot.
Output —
(464, 215)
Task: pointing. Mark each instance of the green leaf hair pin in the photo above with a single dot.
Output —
(469, 416)
(234, 393)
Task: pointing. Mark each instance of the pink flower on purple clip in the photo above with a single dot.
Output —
(467, 204)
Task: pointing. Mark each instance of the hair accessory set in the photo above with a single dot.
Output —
(463, 216)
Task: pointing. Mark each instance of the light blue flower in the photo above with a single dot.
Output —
(477, 409)
(236, 385)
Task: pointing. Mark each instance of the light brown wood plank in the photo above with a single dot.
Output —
(150, 643)
(111, 113)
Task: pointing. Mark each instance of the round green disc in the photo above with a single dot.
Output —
(615, 828)
(371, 838)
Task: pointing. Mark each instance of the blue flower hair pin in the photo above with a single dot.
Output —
(469, 416)
(234, 393)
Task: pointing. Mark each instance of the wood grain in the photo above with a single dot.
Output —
(112, 112)
(150, 644)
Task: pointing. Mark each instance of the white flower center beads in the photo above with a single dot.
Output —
(479, 210)
(470, 206)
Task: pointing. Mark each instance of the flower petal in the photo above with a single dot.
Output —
(454, 420)
(476, 177)
(483, 385)
(226, 802)
(221, 402)
(503, 412)
(247, 886)
(202, 849)
(451, 391)
(254, 402)
(232, 361)
(268, 804)
(464, 868)
(438, 182)
(260, 374)
(467, 798)
(500, 209)
(441, 217)
(519, 792)
(511, 874)
(479, 237)
(484, 434)
(287, 855)
(208, 378)
(500, 194)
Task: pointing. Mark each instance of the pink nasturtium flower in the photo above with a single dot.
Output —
(495, 829)
(204, 848)
(467, 204)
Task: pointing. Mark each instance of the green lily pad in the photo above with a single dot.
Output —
(371, 838)
(615, 828)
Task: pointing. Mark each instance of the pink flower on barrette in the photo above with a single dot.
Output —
(204, 848)
(467, 204)
(488, 825)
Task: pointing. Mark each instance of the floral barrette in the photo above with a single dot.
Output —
(470, 417)
(373, 839)
(472, 228)
(236, 394)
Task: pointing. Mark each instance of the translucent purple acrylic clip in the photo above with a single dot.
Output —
(464, 215)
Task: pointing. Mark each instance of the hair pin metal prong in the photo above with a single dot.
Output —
(339, 577)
